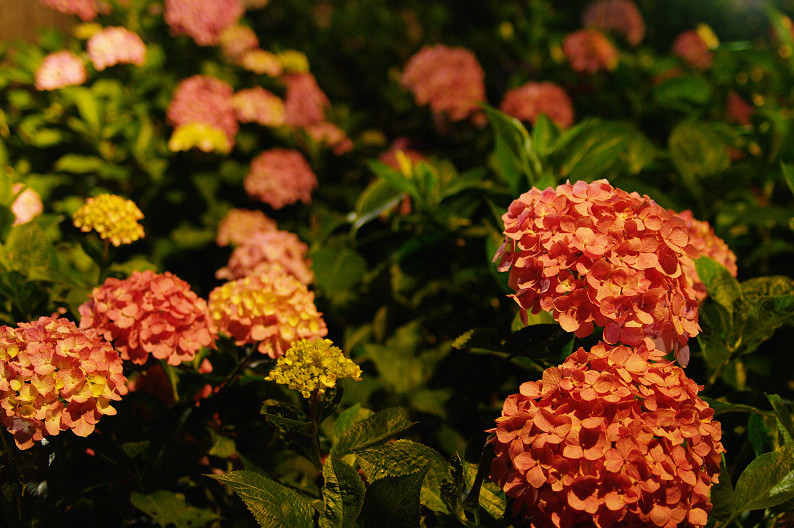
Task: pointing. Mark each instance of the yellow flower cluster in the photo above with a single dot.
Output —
(313, 364)
(293, 61)
(202, 136)
(113, 217)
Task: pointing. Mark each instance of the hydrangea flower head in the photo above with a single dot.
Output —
(59, 69)
(293, 61)
(202, 136)
(239, 225)
(313, 365)
(115, 45)
(27, 205)
(204, 99)
(304, 103)
(261, 62)
(264, 249)
(149, 313)
(54, 377)
(236, 40)
(593, 254)
(85, 9)
(203, 21)
(113, 217)
(588, 50)
(619, 16)
(450, 80)
(257, 105)
(329, 134)
(273, 309)
(280, 177)
(738, 110)
(694, 47)
(614, 436)
(530, 100)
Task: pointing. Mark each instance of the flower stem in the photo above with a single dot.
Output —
(314, 410)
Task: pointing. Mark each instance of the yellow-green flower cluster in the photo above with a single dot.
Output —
(113, 217)
(313, 364)
(293, 61)
(202, 136)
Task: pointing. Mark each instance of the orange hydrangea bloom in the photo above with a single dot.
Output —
(612, 437)
(149, 313)
(588, 50)
(272, 308)
(619, 16)
(528, 101)
(54, 377)
(280, 177)
(264, 249)
(239, 225)
(693, 49)
(592, 255)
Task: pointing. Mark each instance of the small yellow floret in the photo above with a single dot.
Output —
(313, 364)
(113, 217)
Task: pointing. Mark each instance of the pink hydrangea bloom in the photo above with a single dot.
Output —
(54, 377)
(527, 102)
(695, 51)
(203, 99)
(239, 225)
(391, 159)
(450, 80)
(236, 40)
(149, 313)
(85, 9)
(612, 437)
(280, 177)
(331, 135)
(619, 16)
(588, 50)
(59, 69)
(265, 249)
(27, 205)
(257, 105)
(115, 45)
(203, 21)
(304, 103)
(738, 110)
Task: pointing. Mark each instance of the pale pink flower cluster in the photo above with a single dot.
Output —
(115, 45)
(59, 69)
(588, 50)
(204, 99)
(27, 205)
(85, 9)
(280, 177)
(239, 225)
(449, 79)
(619, 16)
(304, 107)
(204, 20)
(530, 100)
(257, 105)
(266, 249)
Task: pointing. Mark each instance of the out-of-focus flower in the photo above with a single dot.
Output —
(273, 309)
(261, 62)
(255, 4)
(149, 313)
(612, 437)
(293, 61)
(304, 103)
(59, 69)
(203, 21)
(619, 16)
(280, 177)
(530, 100)
(236, 40)
(27, 204)
(592, 254)
(202, 136)
(203, 99)
(588, 50)
(400, 157)
(113, 217)
(87, 30)
(257, 105)
(115, 45)
(54, 377)
(450, 80)
(695, 45)
(331, 135)
(239, 225)
(264, 249)
(153, 381)
(738, 110)
(85, 9)
(313, 365)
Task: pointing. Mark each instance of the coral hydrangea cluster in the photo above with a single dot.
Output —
(272, 309)
(257, 105)
(618, 16)
(265, 249)
(27, 204)
(613, 437)
(204, 99)
(54, 377)
(239, 225)
(115, 45)
(60, 69)
(450, 80)
(203, 21)
(694, 47)
(280, 177)
(85, 9)
(593, 254)
(530, 100)
(313, 365)
(588, 50)
(737, 110)
(305, 102)
(149, 314)
(113, 217)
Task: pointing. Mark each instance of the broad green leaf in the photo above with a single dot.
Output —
(431, 401)
(293, 424)
(222, 446)
(371, 431)
(492, 499)
(273, 505)
(395, 178)
(758, 434)
(593, 149)
(404, 457)
(767, 303)
(697, 151)
(170, 510)
(788, 176)
(723, 497)
(347, 418)
(721, 285)
(343, 494)
(544, 134)
(134, 449)
(722, 407)
(77, 164)
(767, 481)
(29, 249)
(393, 502)
(379, 197)
(785, 423)
(686, 89)
(519, 162)
(337, 270)
(86, 104)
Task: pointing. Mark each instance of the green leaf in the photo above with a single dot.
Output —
(767, 303)
(758, 434)
(170, 510)
(492, 499)
(77, 164)
(293, 424)
(222, 446)
(788, 176)
(518, 161)
(431, 401)
(273, 505)
(29, 249)
(697, 151)
(721, 285)
(379, 197)
(373, 430)
(352, 415)
(343, 494)
(686, 89)
(86, 104)
(723, 496)
(783, 417)
(767, 481)
(337, 270)
(544, 134)
(395, 178)
(393, 502)
(593, 147)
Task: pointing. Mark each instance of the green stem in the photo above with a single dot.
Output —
(314, 407)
